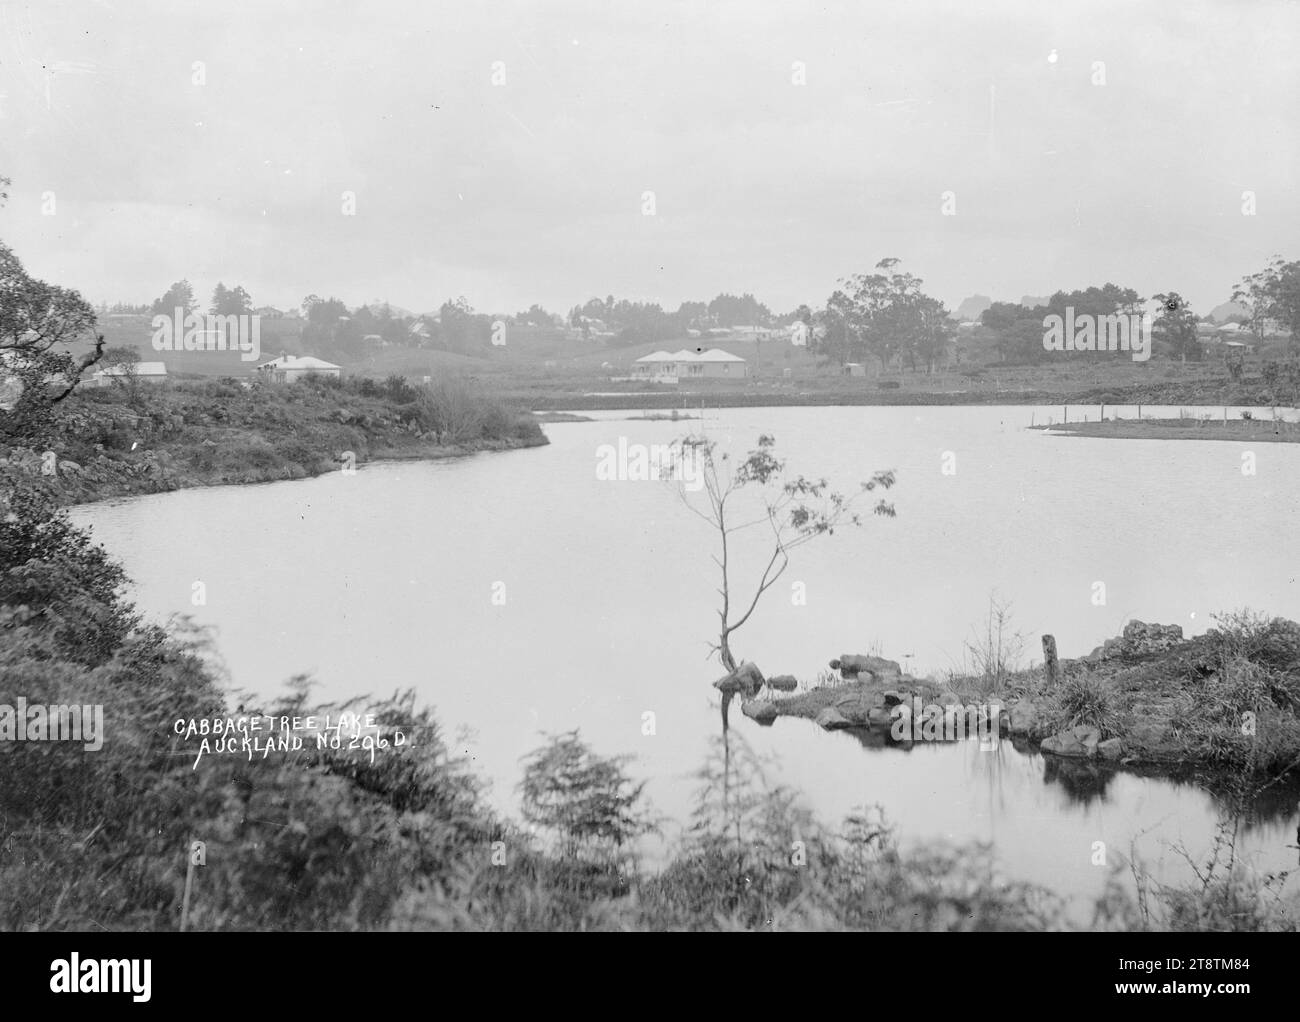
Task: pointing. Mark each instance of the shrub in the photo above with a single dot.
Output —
(1087, 699)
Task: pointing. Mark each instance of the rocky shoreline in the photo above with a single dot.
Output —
(1147, 698)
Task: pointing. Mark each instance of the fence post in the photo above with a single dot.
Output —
(1050, 664)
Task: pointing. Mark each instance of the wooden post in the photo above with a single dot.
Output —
(1050, 664)
(1065, 413)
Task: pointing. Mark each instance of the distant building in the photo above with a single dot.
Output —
(854, 369)
(760, 333)
(288, 368)
(714, 364)
(148, 372)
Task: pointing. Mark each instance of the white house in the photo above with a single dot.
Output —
(288, 368)
(665, 367)
(147, 372)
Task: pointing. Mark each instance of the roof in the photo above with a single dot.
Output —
(716, 355)
(135, 369)
(298, 362)
(712, 355)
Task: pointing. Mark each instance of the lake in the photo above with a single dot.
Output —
(520, 594)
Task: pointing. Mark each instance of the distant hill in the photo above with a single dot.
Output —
(1033, 301)
(396, 311)
(971, 308)
(1222, 313)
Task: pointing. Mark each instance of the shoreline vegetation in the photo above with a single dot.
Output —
(1190, 386)
(135, 439)
(1241, 430)
(1150, 700)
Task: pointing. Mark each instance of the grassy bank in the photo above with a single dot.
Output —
(1225, 701)
(1240, 430)
(149, 438)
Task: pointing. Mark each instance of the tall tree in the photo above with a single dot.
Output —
(179, 296)
(1177, 325)
(795, 510)
(39, 323)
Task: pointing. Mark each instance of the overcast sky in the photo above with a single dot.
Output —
(532, 190)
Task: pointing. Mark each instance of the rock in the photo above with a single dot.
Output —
(745, 680)
(832, 720)
(1140, 637)
(783, 683)
(850, 665)
(854, 707)
(70, 468)
(893, 697)
(1111, 749)
(948, 699)
(880, 716)
(760, 710)
(1150, 738)
(1023, 718)
(751, 676)
(1078, 742)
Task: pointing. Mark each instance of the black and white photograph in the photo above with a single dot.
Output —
(572, 466)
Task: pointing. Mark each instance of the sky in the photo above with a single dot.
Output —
(504, 151)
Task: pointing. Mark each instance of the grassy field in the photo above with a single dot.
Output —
(1240, 430)
(543, 369)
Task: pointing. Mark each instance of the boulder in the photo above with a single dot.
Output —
(948, 699)
(783, 683)
(1140, 637)
(1078, 742)
(851, 665)
(69, 468)
(745, 681)
(760, 710)
(893, 697)
(832, 720)
(881, 716)
(1111, 749)
(854, 706)
(1023, 718)
(751, 676)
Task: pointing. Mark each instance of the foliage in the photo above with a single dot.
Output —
(797, 512)
(587, 802)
